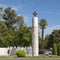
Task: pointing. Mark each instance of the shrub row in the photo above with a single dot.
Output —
(56, 49)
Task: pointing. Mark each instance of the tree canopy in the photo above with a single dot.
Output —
(54, 37)
(13, 31)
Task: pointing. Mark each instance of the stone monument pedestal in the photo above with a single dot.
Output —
(35, 47)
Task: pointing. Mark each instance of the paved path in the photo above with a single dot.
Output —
(29, 58)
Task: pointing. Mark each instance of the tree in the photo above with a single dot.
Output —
(46, 39)
(42, 25)
(56, 34)
(13, 31)
(3, 32)
(12, 21)
(11, 17)
(9, 26)
(50, 41)
(54, 37)
(24, 35)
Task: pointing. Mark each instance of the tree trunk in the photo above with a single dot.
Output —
(42, 39)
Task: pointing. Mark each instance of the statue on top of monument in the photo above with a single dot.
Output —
(35, 13)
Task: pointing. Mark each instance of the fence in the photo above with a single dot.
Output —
(12, 51)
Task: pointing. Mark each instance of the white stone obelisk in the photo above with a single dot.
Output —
(35, 46)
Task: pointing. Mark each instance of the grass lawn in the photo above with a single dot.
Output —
(8, 56)
(53, 56)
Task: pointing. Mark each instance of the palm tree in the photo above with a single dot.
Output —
(43, 24)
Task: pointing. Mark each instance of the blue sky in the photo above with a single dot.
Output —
(48, 9)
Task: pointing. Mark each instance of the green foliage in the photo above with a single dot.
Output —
(54, 37)
(1, 9)
(56, 34)
(40, 42)
(3, 32)
(11, 17)
(46, 41)
(58, 49)
(20, 53)
(3, 27)
(24, 35)
(43, 23)
(50, 41)
(8, 27)
(54, 50)
(13, 30)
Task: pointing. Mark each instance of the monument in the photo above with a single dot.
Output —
(35, 46)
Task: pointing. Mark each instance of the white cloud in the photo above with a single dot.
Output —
(50, 29)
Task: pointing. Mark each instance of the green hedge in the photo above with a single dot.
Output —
(58, 49)
(20, 53)
(54, 50)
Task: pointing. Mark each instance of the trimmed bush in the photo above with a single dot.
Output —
(58, 49)
(20, 53)
(54, 50)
